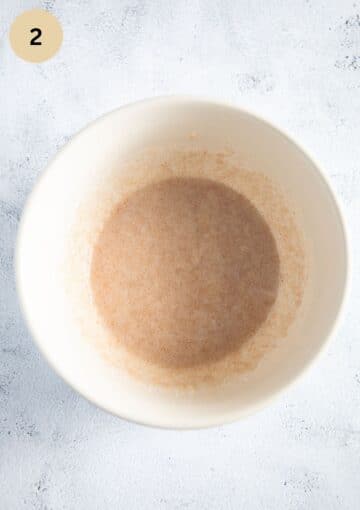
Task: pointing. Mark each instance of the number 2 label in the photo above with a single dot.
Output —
(35, 35)
(34, 41)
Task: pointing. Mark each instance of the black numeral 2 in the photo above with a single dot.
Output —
(34, 41)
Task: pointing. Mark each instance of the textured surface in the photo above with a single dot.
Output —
(297, 62)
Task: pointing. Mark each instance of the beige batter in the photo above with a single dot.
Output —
(184, 268)
(184, 271)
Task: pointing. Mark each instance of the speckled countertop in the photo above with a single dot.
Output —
(296, 62)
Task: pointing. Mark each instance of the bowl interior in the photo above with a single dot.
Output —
(87, 161)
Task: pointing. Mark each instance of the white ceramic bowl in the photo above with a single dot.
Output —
(46, 223)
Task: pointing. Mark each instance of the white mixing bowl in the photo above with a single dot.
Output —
(46, 225)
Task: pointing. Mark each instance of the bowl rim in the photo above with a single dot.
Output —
(235, 415)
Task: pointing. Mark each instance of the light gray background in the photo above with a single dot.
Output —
(296, 62)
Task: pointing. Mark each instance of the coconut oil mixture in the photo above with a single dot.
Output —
(184, 271)
(185, 268)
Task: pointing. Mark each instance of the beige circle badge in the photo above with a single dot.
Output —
(36, 35)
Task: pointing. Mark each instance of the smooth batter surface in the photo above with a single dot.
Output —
(184, 271)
